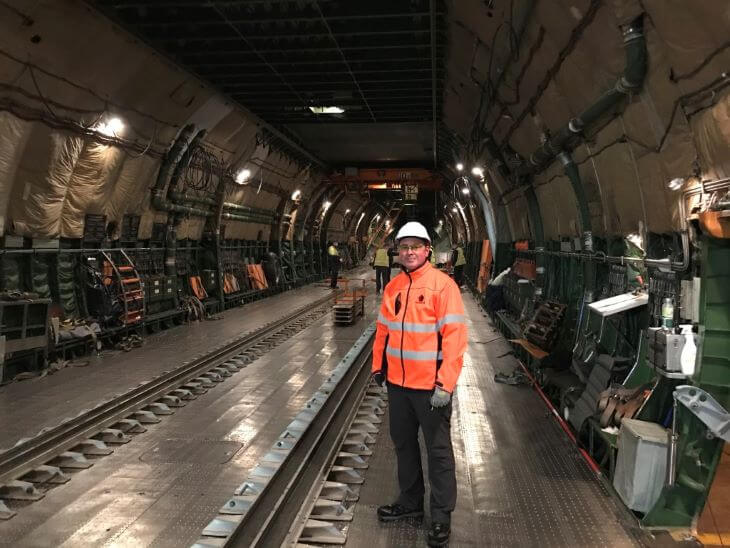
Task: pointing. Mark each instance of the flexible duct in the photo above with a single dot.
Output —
(630, 82)
(183, 163)
(169, 164)
(589, 270)
(488, 214)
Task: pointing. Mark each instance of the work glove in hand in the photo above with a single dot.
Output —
(440, 397)
(379, 378)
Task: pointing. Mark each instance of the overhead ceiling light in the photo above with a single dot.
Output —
(459, 167)
(676, 183)
(111, 128)
(296, 194)
(478, 171)
(465, 190)
(327, 110)
(243, 175)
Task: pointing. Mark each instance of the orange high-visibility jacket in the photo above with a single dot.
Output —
(425, 340)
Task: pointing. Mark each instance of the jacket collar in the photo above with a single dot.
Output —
(420, 271)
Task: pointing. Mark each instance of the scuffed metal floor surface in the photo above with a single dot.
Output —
(521, 482)
(164, 486)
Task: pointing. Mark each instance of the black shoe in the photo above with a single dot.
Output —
(393, 512)
(439, 534)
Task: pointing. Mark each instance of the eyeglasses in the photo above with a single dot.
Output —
(413, 247)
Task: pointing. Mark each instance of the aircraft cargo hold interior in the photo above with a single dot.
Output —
(346, 273)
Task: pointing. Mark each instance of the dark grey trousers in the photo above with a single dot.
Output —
(382, 277)
(409, 409)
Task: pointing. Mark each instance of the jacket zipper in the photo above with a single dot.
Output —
(402, 328)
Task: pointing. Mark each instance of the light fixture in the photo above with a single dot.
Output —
(296, 194)
(111, 128)
(327, 110)
(465, 190)
(453, 209)
(676, 183)
(347, 211)
(477, 171)
(242, 175)
(459, 167)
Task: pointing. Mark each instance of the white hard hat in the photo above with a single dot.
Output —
(413, 230)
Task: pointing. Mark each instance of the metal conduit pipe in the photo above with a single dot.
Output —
(180, 197)
(630, 82)
(184, 197)
(247, 218)
(600, 257)
(249, 209)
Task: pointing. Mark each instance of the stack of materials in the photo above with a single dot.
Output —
(545, 324)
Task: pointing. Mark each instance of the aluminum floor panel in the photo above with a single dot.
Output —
(521, 480)
(28, 406)
(163, 487)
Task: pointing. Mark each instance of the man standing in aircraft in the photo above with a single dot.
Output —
(419, 349)
(333, 259)
(458, 260)
(382, 263)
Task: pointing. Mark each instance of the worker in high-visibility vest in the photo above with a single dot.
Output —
(418, 351)
(382, 262)
(333, 259)
(458, 259)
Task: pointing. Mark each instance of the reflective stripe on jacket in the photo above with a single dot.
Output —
(425, 340)
(460, 259)
(381, 257)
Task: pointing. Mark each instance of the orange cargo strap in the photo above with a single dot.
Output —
(197, 286)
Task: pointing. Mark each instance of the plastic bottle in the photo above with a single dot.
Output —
(689, 351)
(667, 313)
